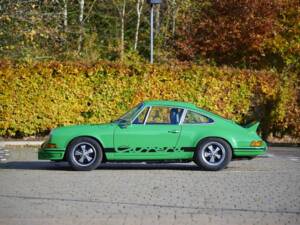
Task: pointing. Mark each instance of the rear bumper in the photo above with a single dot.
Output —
(249, 151)
(51, 154)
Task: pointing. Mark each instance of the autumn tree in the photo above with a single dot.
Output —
(245, 33)
(227, 31)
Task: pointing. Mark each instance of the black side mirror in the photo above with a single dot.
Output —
(124, 123)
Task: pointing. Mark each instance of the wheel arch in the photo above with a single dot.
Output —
(85, 136)
(217, 137)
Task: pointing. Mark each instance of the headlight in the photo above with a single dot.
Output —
(256, 143)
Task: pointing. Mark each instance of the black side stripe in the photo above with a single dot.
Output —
(185, 149)
(109, 149)
(188, 149)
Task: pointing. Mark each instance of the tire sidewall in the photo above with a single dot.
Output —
(71, 149)
(200, 162)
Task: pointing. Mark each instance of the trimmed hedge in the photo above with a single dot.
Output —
(36, 97)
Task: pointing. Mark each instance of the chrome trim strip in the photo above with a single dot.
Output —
(182, 116)
(148, 113)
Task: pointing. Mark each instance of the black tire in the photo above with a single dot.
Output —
(213, 154)
(84, 154)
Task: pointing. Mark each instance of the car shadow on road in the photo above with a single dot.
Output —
(63, 166)
(35, 165)
(148, 166)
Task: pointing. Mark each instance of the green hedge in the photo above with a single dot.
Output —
(36, 97)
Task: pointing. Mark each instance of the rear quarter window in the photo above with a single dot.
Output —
(196, 118)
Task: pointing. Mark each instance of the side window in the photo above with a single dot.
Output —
(141, 117)
(194, 118)
(164, 115)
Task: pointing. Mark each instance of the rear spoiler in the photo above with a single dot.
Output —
(252, 127)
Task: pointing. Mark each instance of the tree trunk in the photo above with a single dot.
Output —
(174, 16)
(80, 40)
(157, 19)
(123, 29)
(65, 14)
(139, 8)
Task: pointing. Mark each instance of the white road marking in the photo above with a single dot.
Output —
(268, 155)
(295, 159)
(4, 154)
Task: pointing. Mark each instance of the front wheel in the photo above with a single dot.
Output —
(84, 154)
(213, 154)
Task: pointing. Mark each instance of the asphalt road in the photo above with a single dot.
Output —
(265, 190)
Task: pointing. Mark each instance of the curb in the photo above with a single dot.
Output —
(284, 144)
(20, 143)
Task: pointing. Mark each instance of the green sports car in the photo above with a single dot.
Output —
(155, 131)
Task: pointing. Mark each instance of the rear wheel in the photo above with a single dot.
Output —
(213, 154)
(84, 154)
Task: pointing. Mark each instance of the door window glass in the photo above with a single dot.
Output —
(141, 117)
(194, 118)
(164, 115)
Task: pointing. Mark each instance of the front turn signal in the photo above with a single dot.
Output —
(256, 143)
(50, 145)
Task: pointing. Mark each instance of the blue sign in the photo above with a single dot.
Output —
(154, 1)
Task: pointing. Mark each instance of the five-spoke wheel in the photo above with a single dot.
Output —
(213, 154)
(84, 154)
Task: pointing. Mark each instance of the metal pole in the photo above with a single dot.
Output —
(151, 34)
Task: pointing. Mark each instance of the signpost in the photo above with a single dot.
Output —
(152, 3)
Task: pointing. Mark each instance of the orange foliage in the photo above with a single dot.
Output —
(228, 31)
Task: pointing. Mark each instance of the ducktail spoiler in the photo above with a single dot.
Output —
(252, 127)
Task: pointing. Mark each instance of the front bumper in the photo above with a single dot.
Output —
(51, 154)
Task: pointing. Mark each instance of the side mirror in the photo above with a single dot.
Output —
(124, 123)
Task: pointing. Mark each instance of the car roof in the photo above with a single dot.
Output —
(170, 103)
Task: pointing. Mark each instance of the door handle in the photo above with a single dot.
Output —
(174, 131)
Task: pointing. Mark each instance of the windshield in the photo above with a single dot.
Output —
(130, 114)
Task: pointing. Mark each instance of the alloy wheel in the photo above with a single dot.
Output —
(84, 154)
(213, 153)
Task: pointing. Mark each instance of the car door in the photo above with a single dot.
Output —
(195, 127)
(152, 135)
